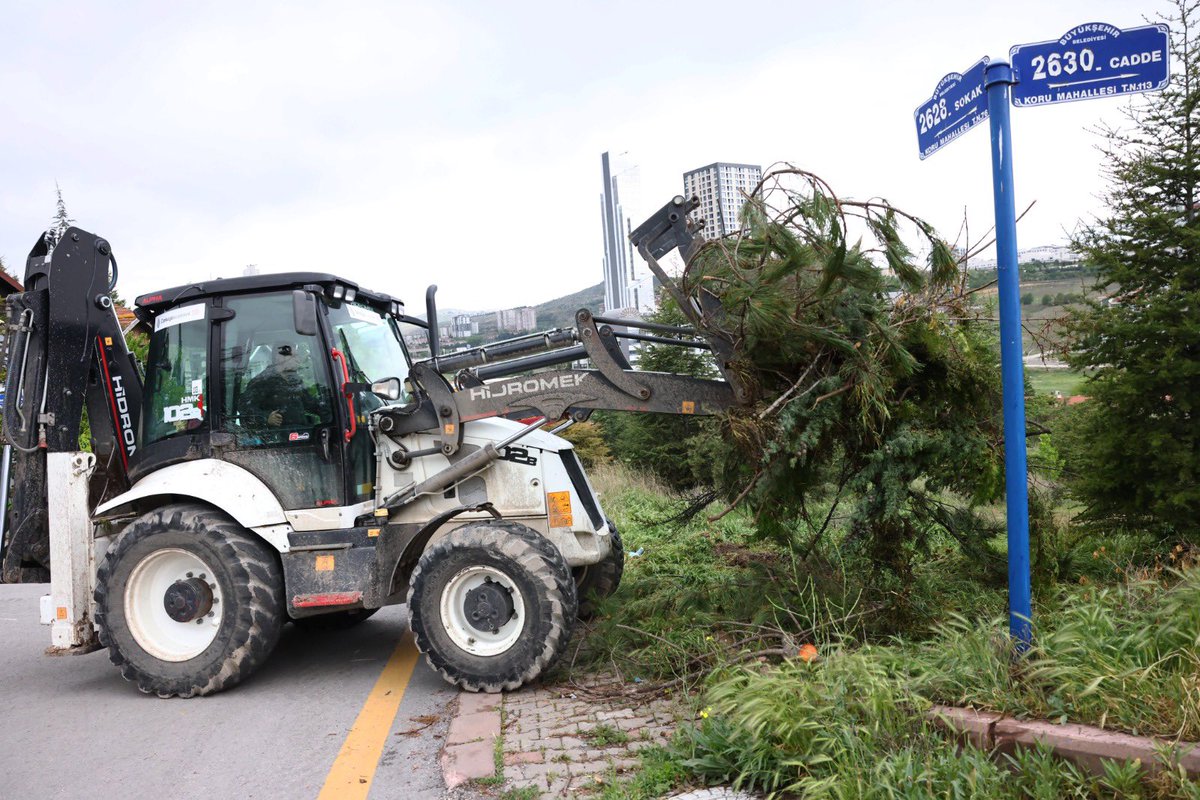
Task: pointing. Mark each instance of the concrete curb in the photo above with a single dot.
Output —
(1083, 745)
(470, 750)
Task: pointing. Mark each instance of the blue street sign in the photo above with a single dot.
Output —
(1090, 61)
(958, 104)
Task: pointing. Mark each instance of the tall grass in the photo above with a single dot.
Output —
(853, 725)
(1117, 645)
(1124, 657)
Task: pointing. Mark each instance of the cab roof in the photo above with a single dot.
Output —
(149, 305)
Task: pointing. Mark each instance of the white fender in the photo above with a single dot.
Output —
(234, 490)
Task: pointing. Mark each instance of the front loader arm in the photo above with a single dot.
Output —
(510, 378)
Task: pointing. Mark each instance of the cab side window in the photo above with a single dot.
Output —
(275, 387)
(176, 374)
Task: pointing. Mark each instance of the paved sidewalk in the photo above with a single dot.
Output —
(550, 741)
(561, 744)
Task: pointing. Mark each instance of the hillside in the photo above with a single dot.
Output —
(560, 312)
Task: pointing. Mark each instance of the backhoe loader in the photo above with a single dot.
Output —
(282, 457)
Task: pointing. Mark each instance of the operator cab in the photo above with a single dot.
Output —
(273, 373)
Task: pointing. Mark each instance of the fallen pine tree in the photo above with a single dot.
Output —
(873, 384)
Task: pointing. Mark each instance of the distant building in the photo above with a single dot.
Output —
(620, 213)
(522, 318)
(722, 189)
(1045, 253)
(642, 294)
(9, 284)
(461, 327)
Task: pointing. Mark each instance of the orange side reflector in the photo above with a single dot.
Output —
(559, 504)
(324, 563)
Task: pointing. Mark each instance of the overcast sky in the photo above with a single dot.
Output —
(401, 143)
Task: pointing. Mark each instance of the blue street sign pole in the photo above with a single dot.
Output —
(998, 77)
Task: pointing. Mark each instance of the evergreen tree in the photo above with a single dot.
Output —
(59, 222)
(1137, 443)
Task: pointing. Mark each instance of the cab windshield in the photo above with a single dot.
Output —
(371, 343)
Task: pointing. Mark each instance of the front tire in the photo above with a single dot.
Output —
(188, 602)
(492, 606)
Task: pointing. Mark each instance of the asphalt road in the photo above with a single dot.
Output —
(72, 727)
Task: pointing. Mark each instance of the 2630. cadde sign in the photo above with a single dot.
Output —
(1089, 61)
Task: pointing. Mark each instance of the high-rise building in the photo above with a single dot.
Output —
(620, 212)
(516, 320)
(722, 189)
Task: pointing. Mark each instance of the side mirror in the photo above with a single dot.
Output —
(388, 388)
(304, 313)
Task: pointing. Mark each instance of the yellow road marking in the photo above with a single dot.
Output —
(350, 776)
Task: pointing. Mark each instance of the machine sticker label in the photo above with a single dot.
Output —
(178, 316)
(372, 532)
(324, 564)
(182, 412)
(518, 455)
(124, 418)
(688, 407)
(362, 314)
(559, 506)
(298, 436)
(526, 386)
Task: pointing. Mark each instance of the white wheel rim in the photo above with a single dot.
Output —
(152, 628)
(455, 618)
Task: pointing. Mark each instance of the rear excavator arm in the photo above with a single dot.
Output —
(65, 348)
(501, 379)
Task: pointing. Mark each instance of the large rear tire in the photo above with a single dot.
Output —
(492, 606)
(595, 582)
(188, 602)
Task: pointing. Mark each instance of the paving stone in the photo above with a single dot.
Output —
(641, 744)
(528, 757)
(471, 727)
(538, 773)
(620, 713)
(475, 702)
(464, 762)
(633, 723)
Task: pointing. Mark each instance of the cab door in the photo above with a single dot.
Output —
(277, 414)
